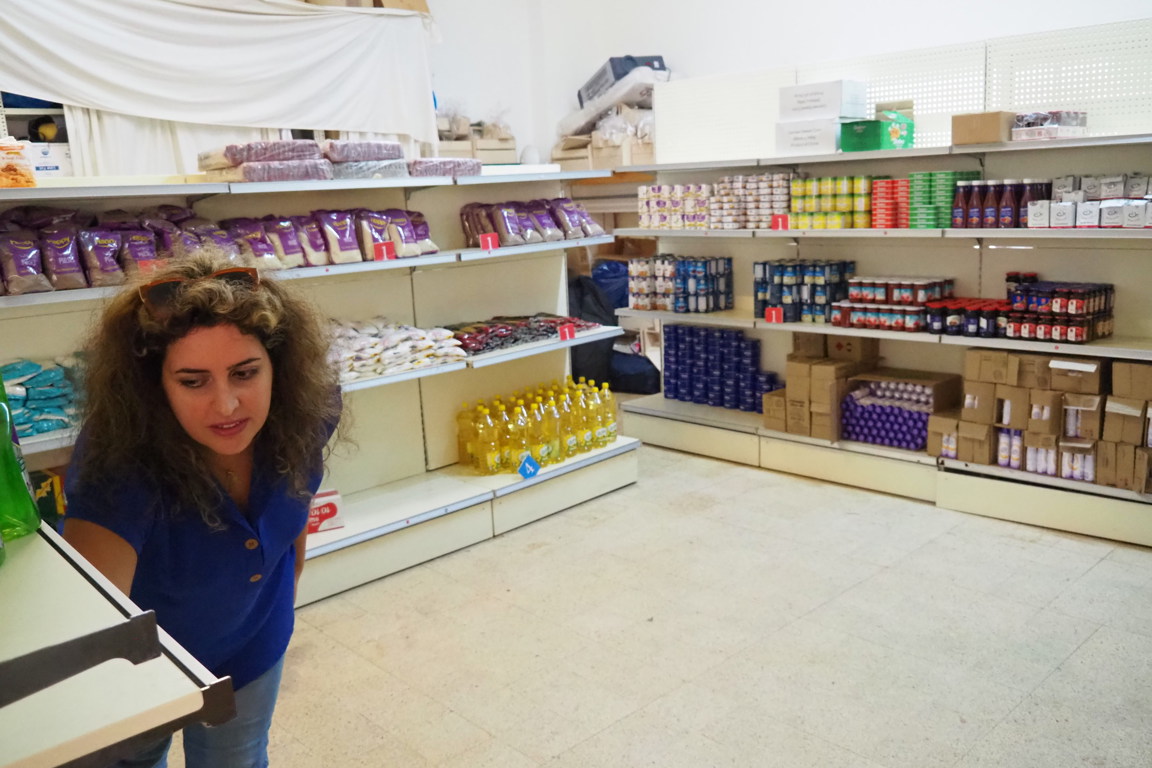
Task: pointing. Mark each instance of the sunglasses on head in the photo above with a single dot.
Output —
(159, 295)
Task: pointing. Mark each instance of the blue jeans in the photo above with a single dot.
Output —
(242, 742)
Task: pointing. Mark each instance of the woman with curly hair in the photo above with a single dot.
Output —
(208, 406)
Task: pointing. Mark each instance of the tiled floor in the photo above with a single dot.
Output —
(720, 615)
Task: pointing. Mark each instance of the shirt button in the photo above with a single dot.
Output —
(255, 578)
(251, 544)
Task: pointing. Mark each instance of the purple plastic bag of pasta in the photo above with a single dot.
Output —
(423, 233)
(339, 230)
(544, 221)
(138, 251)
(61, 257)
(569, 219)
(20, 263)
(98, 249)
(282, 232)
(402, 233)
(254, 242)
(222, 243)
(527, 224)
(311, 240)
(373, 228)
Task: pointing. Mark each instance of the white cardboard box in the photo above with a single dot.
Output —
(820, 101)
(1136, 214)
(1088, 214)
(1112, 213)
(1064, 184)
(1112, 187)
(1063, 215)
(1091, 186)
(808, 137)
(1136, 186)
(50, 160)
(1039, 214)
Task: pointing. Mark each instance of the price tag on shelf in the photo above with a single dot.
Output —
(148, 267)
(779, 221)
(489, 241)
(567, 332)
(528, 468)
(774, 314)
(385, 251)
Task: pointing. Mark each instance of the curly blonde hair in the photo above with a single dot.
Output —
(130, 430)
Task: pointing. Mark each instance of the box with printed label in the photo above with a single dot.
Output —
(1112, 187)
(943, 388)
(979, 405)
(1132, 380)
(826, 395)
(1091, 187)
(826, 426)
(1039, 214)
(815, 101)
(1078, 460)
(890, 130)
(324, 512)
(1125, 464)
(776, 411)
(1136, 186)
(1046, 412)
(853, 348)
(1088, 214)
(809, 137)
(1012, 407)
(1142, 470)
(1106, 463)
(1083, 416)
(1135, 214)
(975, 444)
(1085, 376)
(1063, 215)
(809, 345)
(799, 418)
(982, 128)
(1124, 420)
(991, 367)
(1034, 372)
(943, 432)
(1112, 214)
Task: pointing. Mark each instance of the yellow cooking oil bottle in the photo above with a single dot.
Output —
(611, 411)
(516, 438)
(569, 442)
(585, 418)
(538, 437)
(503, 425)
(487, 457)
(466, 433)
(596, 408)
(552, 430)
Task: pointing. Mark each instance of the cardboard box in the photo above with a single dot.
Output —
(1124, 420)
(979, 404)
(495, 151)
(1039, 214)
(1013, 406)
(1135, 214)
(1125, 466)
(975, 444)
(1063, 215)
(890, 130)
(776, 411)
(1112, 214)
(826, 395)
(1046, 402)
(823, 101)
(943, 428)
(798, 390)
(1034, 440)
(1132, 380)
(48, 492)
(836, 369)
(455, 149)
(573, 153)
(1083, 416)
(853, 348)
(799, 419)
(1077, 460)
(1033, 372)
(1091, 187)
(983, 127)
(1141, 469)
(1088, 214)
(631, 151)
(826, 426)
(809, 345)
(944, 387)
(1106, 463)
(50, 160)
(991, 367)
(809, 137)
(1084, 376)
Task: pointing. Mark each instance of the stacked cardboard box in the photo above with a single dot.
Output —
(1123, 451)
(816, 381)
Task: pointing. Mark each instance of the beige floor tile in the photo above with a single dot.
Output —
(491, 754)
(1111, 593)
(1131, 555)
(745, 731)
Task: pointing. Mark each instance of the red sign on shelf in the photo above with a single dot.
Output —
(567, 332)
(779, 221)
(489, 241)
(385, 251)
(774, 314)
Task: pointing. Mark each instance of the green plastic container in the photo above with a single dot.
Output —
(894, 132)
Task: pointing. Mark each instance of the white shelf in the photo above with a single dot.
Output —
(335, 270)
(1088, 142)
(832, 330)
(485, 359)
(388, 508)
(904, 233)
(1127, 348)
(851, 446)
(58, 297)
(643, 232)
(719, 165)
(49, 441)
(95, 191)
(516, 178)
(1045, 480)
(323, 185)
(841, 157)
(478, 254)
(508, 483)
(693, 413)
(1049, 234)
(728, 318)
(395, 378)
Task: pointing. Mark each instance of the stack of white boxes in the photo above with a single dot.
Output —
(674, 206)
(810, 116)
(1088, 202)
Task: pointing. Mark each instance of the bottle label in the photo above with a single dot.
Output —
(571, 441)
(586, 437)
(612, 428)
(1007, 217)
(492, 460)
(601, 433)
(991, 217)
(959, 218)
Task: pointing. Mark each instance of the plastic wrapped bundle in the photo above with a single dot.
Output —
(371, 169)
(275, 170)
(361, 151)
(259, 152)
(21, 265)
(444, 166)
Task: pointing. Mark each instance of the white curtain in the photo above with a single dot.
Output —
(163, 76)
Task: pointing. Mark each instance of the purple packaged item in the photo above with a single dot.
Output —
(219, 240)
(527, 223)
(311, 240)
(98, 249)
(285, 241)
(259, 152)
(118, 219)
(20, 263)
(544, 221)
(507, 223)
(373, 229)
(254, 242)
(281, 170)
(176, 214)
(340, 234)
(423, 233)
(402, 233)
(371, 169)
(565, 214)
(137, 251)
(361, 151)
(590, 226)
(199, 226)
(61, 257)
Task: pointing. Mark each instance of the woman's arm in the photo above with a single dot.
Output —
(107, 552)
(300, 541)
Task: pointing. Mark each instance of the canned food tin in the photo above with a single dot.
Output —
(827, 203)
(827, 185)
(861, 185)
(842, 185)
(861, 220)
(844, 203)
(797, 186)
(819, 221)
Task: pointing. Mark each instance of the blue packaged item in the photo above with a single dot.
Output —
(46, 378)
(19, 371)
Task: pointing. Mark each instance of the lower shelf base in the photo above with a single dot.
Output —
(901, 478)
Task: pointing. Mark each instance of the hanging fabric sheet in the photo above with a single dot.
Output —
(252, 63)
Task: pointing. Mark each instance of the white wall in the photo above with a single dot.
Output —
(532, 55)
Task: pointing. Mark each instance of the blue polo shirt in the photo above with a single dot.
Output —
(224, 595)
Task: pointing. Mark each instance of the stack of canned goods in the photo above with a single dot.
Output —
(890, 204)
(831, 202)
(804, 290)
(674, 206)
(680, 284)
(750, 202)
(890, 303)
(930, 195)
(1071, 312)
(715, 366)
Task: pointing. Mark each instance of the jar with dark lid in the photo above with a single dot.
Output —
(1011, 283)
(1002, 311)
(1043, 327)
(1028, 327)
(1060, 301)
(1028, 278)
(1012, 327)
(1043, 301)
(1078, 330)
(953, 319)
(1059, 328)
(972, 316)
(934, 317)
(989, 315)
(1077, 302)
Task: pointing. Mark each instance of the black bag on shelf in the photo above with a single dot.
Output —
(587, 302)
(634, 373)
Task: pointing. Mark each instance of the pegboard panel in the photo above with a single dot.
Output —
(941, 82)
(1105, 69)
(717, 118)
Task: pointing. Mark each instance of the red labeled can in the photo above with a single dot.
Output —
(1028, 327)
(1059, 329)
(1043, 328)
